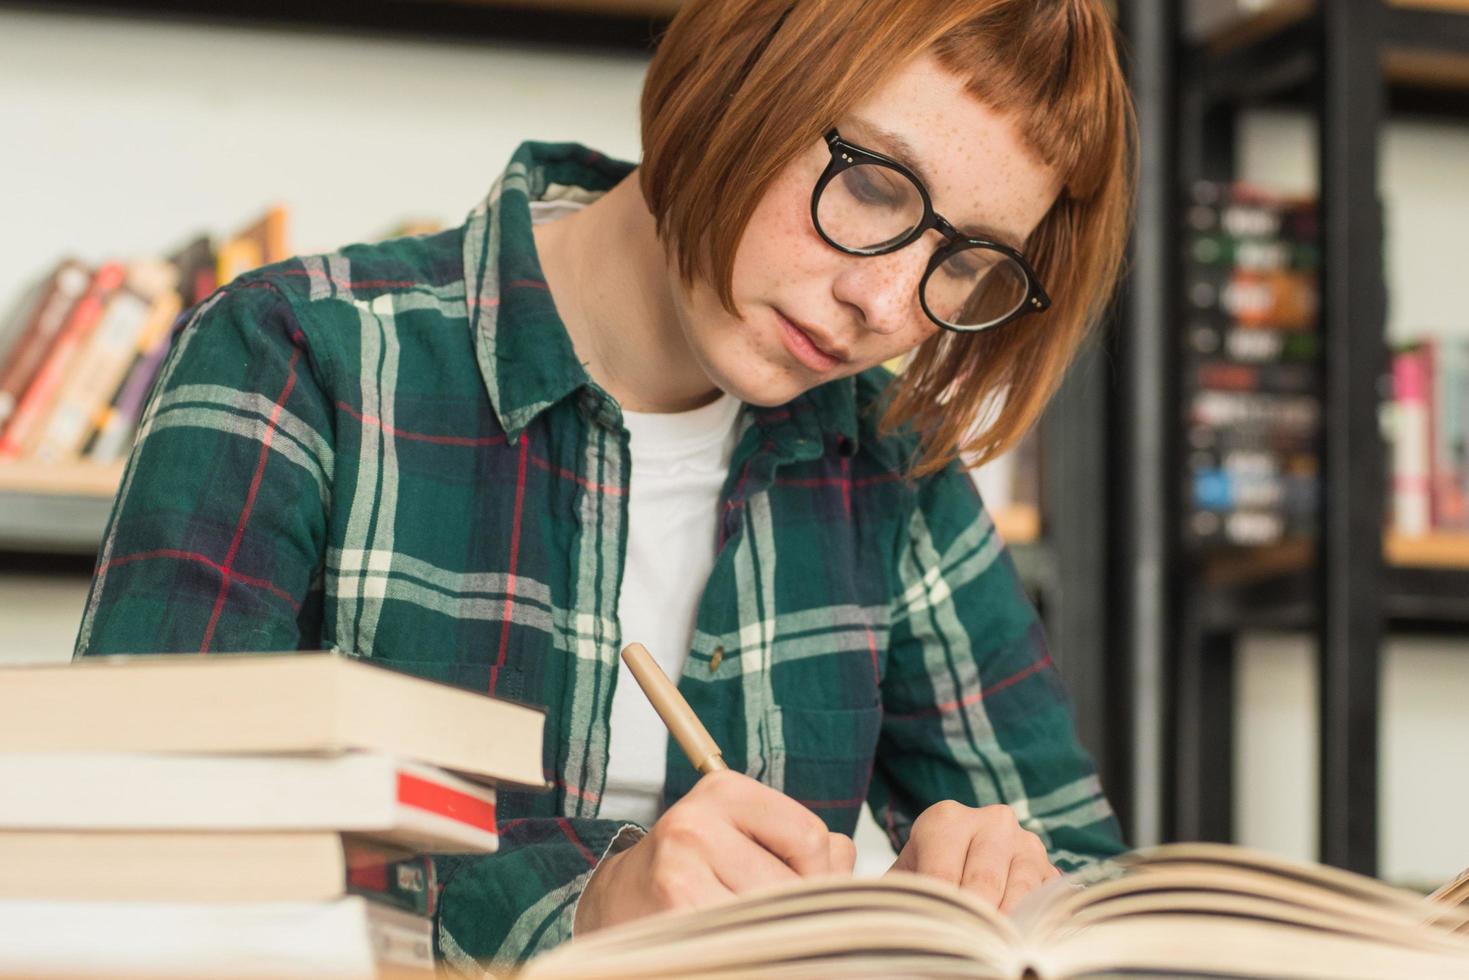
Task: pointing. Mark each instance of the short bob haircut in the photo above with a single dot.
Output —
(739, 88)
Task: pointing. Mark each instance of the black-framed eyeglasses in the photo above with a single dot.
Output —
(869, 204)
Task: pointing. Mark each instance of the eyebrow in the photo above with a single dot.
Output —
(896, 146)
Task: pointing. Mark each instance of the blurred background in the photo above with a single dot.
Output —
(1245, 519)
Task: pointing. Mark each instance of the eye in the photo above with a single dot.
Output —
(964, 266)
(871, 185)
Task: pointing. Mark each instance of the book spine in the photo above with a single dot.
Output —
(94, 375)
(407, 883)
(1411, 444)
(401, 942)
(40, 394)
(117, 422)
(67, 286)
(1450, 507)
(1251, 355)
(131, 321)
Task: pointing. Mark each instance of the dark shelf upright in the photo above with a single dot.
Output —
(1141, 503)
(1353, 323)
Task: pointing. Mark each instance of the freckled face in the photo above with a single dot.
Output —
(810, 313)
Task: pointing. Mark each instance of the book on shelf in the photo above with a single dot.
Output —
(80, 351)
(349, 939)
(198, 268)
(20, 430)
(136, 315)
(47, 317)
(261, 242)
(300, 702)
(1427, 427)
(1183, 909)
(1252, 367)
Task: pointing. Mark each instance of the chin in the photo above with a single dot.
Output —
(773, 389)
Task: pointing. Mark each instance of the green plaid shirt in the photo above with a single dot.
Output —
(394, 451)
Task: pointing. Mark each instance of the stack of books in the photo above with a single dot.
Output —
(240, 815)
(1252, 364)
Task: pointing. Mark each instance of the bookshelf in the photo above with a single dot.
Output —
(1352, 64)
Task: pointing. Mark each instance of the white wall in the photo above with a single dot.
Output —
(1425, 683)
(124, 137)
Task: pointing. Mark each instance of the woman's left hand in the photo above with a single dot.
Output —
(984, 851)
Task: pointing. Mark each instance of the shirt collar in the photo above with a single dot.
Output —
(525, 354)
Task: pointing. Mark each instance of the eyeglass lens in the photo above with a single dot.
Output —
(870, 208)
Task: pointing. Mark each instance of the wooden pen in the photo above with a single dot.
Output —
(682, 723)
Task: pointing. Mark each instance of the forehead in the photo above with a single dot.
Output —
(979, 171)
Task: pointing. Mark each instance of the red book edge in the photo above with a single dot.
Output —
(436, 798)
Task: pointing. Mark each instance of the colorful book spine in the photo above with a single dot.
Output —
(132, 313)
(116, 423)
(68, 284)
(1450, 499)
(406, 883)
(40, 394)
(1411, 502)
(1251, 356)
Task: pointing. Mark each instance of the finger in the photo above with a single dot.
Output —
(1025, 876)
(842, 851)
(939, 855)
(774, 821)
(742, 865)
(986, 866)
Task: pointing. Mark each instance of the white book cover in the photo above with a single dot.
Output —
(373, 794)
(256, 941)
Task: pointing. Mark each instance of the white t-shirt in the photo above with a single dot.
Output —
(679, 463)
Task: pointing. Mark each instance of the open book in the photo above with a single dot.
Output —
(1195, 909)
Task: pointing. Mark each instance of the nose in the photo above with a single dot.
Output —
(883, 289)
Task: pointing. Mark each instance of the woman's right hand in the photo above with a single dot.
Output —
(730, 835)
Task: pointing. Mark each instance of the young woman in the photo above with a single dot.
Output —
(646, 403)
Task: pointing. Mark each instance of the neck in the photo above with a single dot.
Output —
(612, 285)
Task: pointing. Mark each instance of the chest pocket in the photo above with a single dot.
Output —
(825, 756)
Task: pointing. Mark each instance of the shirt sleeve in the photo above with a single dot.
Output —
(974, 709)
(217, 535)
(498, 910)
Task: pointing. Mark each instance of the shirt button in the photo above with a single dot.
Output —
(716, 659)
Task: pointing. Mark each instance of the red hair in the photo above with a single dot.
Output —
(739, 88)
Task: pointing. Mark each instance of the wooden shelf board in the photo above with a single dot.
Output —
(1256, 27)
(1018, 524)
(1438, 550)
(1450, 6)
(1417, 63)
(61, 479)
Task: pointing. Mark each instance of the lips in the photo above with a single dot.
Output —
(806, 348)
